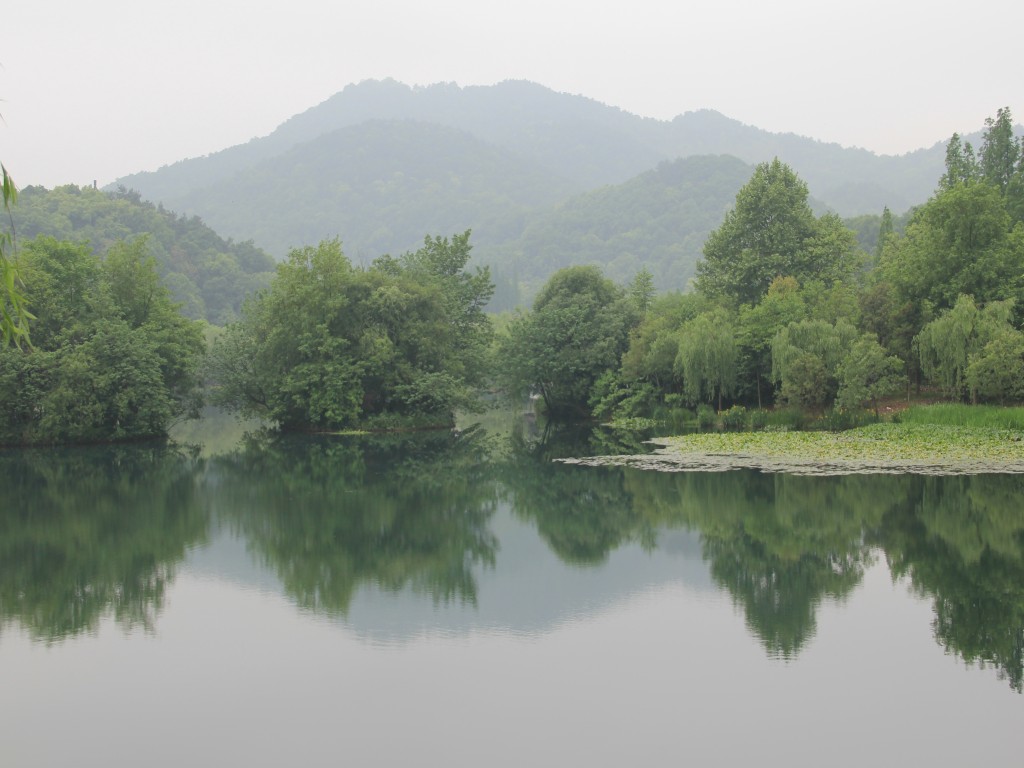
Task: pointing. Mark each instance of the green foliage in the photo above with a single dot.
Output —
(960, 415)
(706, 418)
(208, 275)
(14, 314)
(578, 328)
(960, 242)
(112, 359)
(707, 357)
(996, 372)
(329, 345)
(806, 357)
(1000, 150)
(758, 325)
(961, 164)
(866, 373)
(771, 232)
(948, 343)
(735, 417)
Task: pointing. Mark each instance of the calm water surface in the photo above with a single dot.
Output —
(461, 600)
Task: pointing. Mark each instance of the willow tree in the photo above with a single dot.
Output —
(708, 357)
(948, 343)
(806, 357)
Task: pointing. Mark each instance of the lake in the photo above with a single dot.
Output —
(460, 599)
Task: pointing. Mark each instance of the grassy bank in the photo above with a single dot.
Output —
(959, 415)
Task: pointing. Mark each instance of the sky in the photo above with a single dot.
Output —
(100, 89)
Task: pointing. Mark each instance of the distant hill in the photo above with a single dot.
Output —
(210, 276)
(380, 186)
(586, 143)
(544, 179)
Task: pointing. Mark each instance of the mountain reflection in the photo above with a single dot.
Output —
(87, 533)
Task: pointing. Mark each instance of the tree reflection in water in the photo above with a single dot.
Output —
(329, 514)
(95, 531)
(87, 531)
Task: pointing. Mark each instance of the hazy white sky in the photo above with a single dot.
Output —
(100, 89)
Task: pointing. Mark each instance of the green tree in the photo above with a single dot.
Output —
(707, 357)
(885, 231)
(578, 328)
(806, 357)
(758, 325)
(100, 369)
(959, 242)
(996, 372)
(641, 290)
(961, 164)
(1000, 150)
(329, 345)
(772, 232)
(947, 344)
(867, 373)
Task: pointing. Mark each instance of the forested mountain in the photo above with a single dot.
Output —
(543, 179)
(380, 186)
(658, 220)
(208, 275)
(587, 143)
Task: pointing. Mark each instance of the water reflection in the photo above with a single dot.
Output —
(91, 531)
(960, 540)
(331, 514)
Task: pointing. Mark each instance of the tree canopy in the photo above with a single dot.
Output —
(771, 232)
(111, 356)
(329, 345)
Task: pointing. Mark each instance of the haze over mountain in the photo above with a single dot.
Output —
(544, 179)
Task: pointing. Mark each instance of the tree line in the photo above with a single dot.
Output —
(787, 308)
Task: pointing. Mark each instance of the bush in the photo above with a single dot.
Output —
(758, 420)
(840, 420)
(705, 416)
(734, 418)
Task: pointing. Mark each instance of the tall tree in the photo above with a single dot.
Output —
(1000, 150)
(772, 232)
(959, 242)
(885, 231)
(961, 164)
